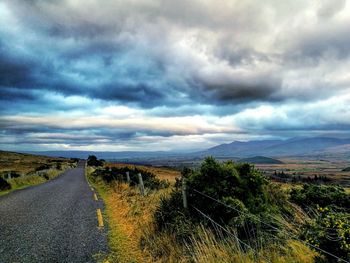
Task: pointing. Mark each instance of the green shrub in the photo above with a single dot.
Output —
(169, 216)
(10, 174)
(4, 185)
(58, 166)
(312, 195)
(330, 231)
(43, 167)
(93, 161)
(240, 189)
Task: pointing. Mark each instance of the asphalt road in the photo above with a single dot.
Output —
(52, 222)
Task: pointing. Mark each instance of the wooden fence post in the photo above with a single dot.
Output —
(184, 193)
(142, 187)
(127, 177)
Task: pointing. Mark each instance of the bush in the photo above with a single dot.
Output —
(169, 216)
(329, 228)
(240, 189)
(10, 174)
(58, 166)
(4, 185)
(330, 231)
(320, 195)
(93, 161)
(43, 167)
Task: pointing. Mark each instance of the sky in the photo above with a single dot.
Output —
(146, 75)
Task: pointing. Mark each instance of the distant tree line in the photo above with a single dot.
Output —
(284, 177)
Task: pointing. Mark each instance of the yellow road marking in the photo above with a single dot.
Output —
(99, 217)
(95, 197)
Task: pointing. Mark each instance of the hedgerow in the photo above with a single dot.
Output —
(119, 174)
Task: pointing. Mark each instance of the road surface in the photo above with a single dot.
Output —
(52, 222)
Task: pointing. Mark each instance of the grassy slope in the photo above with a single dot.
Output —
(27, 163)
(132, 237)
(24, 163)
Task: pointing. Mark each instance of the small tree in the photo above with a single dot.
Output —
(93, 161)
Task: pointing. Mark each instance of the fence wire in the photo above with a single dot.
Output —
(269, 225)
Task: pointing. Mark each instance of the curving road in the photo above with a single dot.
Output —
(52, 222)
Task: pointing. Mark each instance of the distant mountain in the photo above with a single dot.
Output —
(291, 147)
(238, 148)
(316, 146)
(260, 160)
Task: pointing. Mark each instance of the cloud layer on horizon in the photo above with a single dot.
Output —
(164, 75)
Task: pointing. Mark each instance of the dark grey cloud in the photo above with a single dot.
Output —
(141, 93)
(15, 95)
(237, 91)
(14, 71)
(110, 41)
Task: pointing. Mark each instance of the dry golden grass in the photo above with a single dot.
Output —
(24, 163)
(127, 213)
(209, 249)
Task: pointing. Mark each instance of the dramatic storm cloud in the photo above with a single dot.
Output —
(162, 74)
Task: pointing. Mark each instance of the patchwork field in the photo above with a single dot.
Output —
(310, 168)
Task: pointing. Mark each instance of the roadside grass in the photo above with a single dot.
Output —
(123, 233)
(23, 182)
(133, 237)
(33, 179)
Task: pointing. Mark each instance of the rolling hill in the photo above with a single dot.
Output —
(260, 160)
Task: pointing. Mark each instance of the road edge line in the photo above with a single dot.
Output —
(99, 217)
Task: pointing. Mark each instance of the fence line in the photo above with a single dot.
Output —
(228, 232)
(185, 204)
(261, 221)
